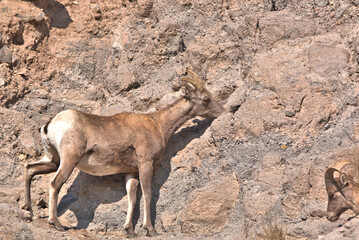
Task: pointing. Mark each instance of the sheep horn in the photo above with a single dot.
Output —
(340, 164)
(195, 80)
(330, 183)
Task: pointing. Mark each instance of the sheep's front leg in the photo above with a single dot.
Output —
(131, 188)
(146, 172)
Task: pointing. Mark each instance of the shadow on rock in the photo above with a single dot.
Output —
(176, 143)
(87, 192)
(60, 17)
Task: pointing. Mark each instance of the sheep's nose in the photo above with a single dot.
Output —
(331, 217)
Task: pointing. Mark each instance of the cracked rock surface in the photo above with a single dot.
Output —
(286, 71)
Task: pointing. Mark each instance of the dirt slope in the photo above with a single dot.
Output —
(286, 71)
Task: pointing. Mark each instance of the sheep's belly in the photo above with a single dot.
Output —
(99, 168)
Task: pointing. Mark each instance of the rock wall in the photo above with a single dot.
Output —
(286, 71)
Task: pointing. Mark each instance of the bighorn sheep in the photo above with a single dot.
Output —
(128, 143)
(342, 184)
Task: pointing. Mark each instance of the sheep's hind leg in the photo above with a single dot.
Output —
(43, 166)
(68, 163)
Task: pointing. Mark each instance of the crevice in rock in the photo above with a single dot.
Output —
(132, 86)
(301, 104)
(273, 6)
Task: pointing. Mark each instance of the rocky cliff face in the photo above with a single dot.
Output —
(286, 71)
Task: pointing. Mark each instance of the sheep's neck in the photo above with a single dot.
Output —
(173, 116)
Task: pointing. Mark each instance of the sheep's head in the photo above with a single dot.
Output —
(342, 184)
(204, 103)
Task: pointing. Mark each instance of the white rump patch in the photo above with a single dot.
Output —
(59, 126)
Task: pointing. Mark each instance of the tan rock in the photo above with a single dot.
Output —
(327, 60)
(273, 170)
(300, 183)
(258, 201)
(292, 206)
(208, 207)
(268, 115)
(168, 221)
(284, 25)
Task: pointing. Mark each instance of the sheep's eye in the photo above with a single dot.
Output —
(346, 184)
(206, 101)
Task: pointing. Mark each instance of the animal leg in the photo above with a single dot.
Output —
(146, 172)
(68, 163)
(45, 165)
(131, 188)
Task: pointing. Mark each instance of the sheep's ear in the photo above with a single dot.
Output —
(343, 181)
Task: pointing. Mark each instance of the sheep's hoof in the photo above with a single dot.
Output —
(61, 229)
(27, 215)
(26, 207)
(58, 226)
(129, 233)
(152, 234)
